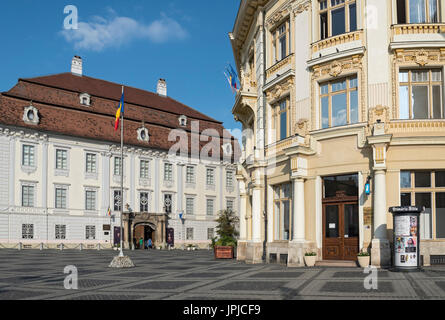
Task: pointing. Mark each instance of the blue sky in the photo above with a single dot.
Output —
(134, 42)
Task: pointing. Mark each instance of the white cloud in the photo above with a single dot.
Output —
(100, 33)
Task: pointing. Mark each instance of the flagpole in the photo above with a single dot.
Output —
(121, 254)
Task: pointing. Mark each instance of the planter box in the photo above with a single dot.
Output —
(225, 252)
(364, 261)
(310, 260)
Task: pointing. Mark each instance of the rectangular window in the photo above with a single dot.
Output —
(426, 189)
(60, 232)
(210, 177)
(281, 43)
(28, 158)
(61, 159)
(339, 102)
(90, 232)
(60, 198)
(145, 169)
(189, 233)
(168, 203)
(27, 196)
(281, 120)
(27, 231)
(210, 207)
(420, 94)
(190, 206)
(210, 233)
(143, 201)
(190, 175)
(418, 11)
(117, 200)
(168, 172)
(229, 179)
(117, 166)
(337, 17)
(91, 166)
(282, 210)
(230, 204)
(90, 200)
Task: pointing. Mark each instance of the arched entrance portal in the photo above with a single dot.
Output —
(144, 230)
(144, 225)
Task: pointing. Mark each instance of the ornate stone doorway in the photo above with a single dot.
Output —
(144, 225)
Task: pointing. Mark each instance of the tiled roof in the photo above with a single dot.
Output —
(57, 99)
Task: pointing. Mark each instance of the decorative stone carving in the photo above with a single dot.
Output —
(279, 90)
(278, 15)
(302, 127)
(421, 57)
(378, 120)
(335, 69)
(301, 7)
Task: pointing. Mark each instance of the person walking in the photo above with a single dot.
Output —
(141, 243)
(150, 244)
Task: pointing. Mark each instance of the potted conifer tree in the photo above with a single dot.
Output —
(224, 245)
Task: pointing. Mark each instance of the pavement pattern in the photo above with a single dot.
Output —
(196, 275)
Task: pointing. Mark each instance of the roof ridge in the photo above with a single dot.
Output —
(205, 117)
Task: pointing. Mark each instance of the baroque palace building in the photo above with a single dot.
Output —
(336, 94)
(61, 166)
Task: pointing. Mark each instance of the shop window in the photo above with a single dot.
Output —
(339, 102)
(337, 17)
(418, 11)
(426, 189)
(420, 94)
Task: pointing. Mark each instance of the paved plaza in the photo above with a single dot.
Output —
(196, 275)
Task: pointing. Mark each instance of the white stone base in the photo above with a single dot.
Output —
(380, 253)
(121, 262)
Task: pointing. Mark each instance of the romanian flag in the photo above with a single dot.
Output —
(109, 212)
(119, 112)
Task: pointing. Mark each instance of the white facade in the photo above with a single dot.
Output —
(49, 188)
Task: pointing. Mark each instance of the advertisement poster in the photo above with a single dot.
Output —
(406, 229)
(171, 237)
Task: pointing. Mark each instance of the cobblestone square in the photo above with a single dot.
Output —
(196, 275)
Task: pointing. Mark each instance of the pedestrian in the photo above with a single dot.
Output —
(141, 243)
(150, 244)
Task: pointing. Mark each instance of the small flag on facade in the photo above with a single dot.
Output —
(109, 212)
(119, 112)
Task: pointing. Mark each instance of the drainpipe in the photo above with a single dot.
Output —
(264, 136)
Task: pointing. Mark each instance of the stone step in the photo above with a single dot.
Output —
(336, 263)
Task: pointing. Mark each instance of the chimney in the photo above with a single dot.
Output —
(76, 66)
(162, 88)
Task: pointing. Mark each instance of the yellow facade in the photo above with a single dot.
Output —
(325, 99)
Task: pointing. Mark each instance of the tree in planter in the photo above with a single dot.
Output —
(226, 229)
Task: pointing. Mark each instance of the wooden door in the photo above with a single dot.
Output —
(340, 230)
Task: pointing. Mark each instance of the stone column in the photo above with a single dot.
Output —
(242, 242)
(380, 247)
(296, 246)
(254, 252)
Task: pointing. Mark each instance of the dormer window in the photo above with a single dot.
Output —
(85, 99)
(31, 115)
(143, 135)
(183, 121)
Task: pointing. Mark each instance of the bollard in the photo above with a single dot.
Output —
(20, 246)
(80, 247)
(98, 247)
(41, 246)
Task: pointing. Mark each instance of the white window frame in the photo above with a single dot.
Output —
(30, 185)
(29, 228)
(62, 187)
(213, 207)
(90, 232)
(28, 167)
(61, 171)
(60, 232)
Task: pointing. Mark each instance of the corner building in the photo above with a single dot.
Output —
(336, 94)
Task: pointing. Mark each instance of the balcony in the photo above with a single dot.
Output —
(279, 146)
(280, 67)
(342, 42)
(417, 35)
